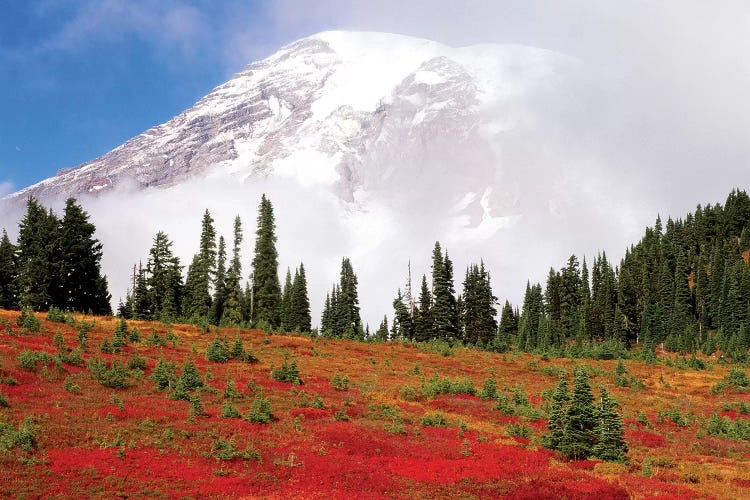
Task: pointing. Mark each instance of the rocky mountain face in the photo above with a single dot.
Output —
(352, 112)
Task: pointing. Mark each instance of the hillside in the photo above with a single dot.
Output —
(366, 421)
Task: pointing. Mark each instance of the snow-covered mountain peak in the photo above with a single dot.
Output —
(337, 108)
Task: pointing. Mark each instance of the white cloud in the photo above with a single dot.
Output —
(171, 26)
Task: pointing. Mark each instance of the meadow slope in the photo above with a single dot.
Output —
(367, 421)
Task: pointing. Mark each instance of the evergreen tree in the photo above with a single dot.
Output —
(201, 273)
(143, 306)
(81, 284)
(232, 309)
(508, 327)
(444, 311)
(611, 445)
(479, 307)
(403, 327)
(580, 420)
(381, 335)
(556, 424)
(301, 320)
(423, 321)
(266, 287)
(37, 244)
(164, 279)
(348, 303)
(220, 286)
(8, 273)
(285, 314)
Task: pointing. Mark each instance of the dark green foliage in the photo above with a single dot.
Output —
(120, 336)
(81, 286)
(113, 375)
(38, 270)
(610, 445)
(136, 362)
(135, 335)
(434, 420)
(480, 325)
(727, 428)
(190, 378)
(558, 413)
(341, 317)
(287, 373)
(489, 389)
(201, 273)
(217, 351)
(266, 287)
(736, 380)
(580, 420)
(228, 410)
(223, 449)
(231, 392)
(8, 273)
(196, 406)
(403, 327)
(444, 310)
(339, 382)
(518, 429)
(29, 359)
(28, 321)
(24, 437)
(164, 281)
(164, 374)
(232, 307)
(260, 412)
(424, 322)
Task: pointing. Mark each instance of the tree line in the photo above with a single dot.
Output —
(212, 292)
(685, 286)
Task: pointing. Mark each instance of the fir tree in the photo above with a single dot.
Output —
(220, 294)
(403, 327)
(508, 327)
(556, 424)
(82, 287)
(444, 311)
(232, 308)
(301, 320)
(266, 288)
(423, 322)
(611, 445)
(8, 273)
(286, 303)
(580, 419)
(349, 322)
(201, 273)
(37, 243)
(164, 279)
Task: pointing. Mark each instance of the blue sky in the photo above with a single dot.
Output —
(79, 77)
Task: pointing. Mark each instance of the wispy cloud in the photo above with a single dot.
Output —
(170, 26)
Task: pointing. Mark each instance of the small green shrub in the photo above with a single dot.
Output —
(223, 449)
(340, 383)
(24, 437)
(28, 321)
(287, 373)
(113, 375)
(136, 362)
(260, 412)
(434, 420)
(71, 386)
(164, 374)
(3, 401)
(217, 351)
(228, 410)
(518, 429)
